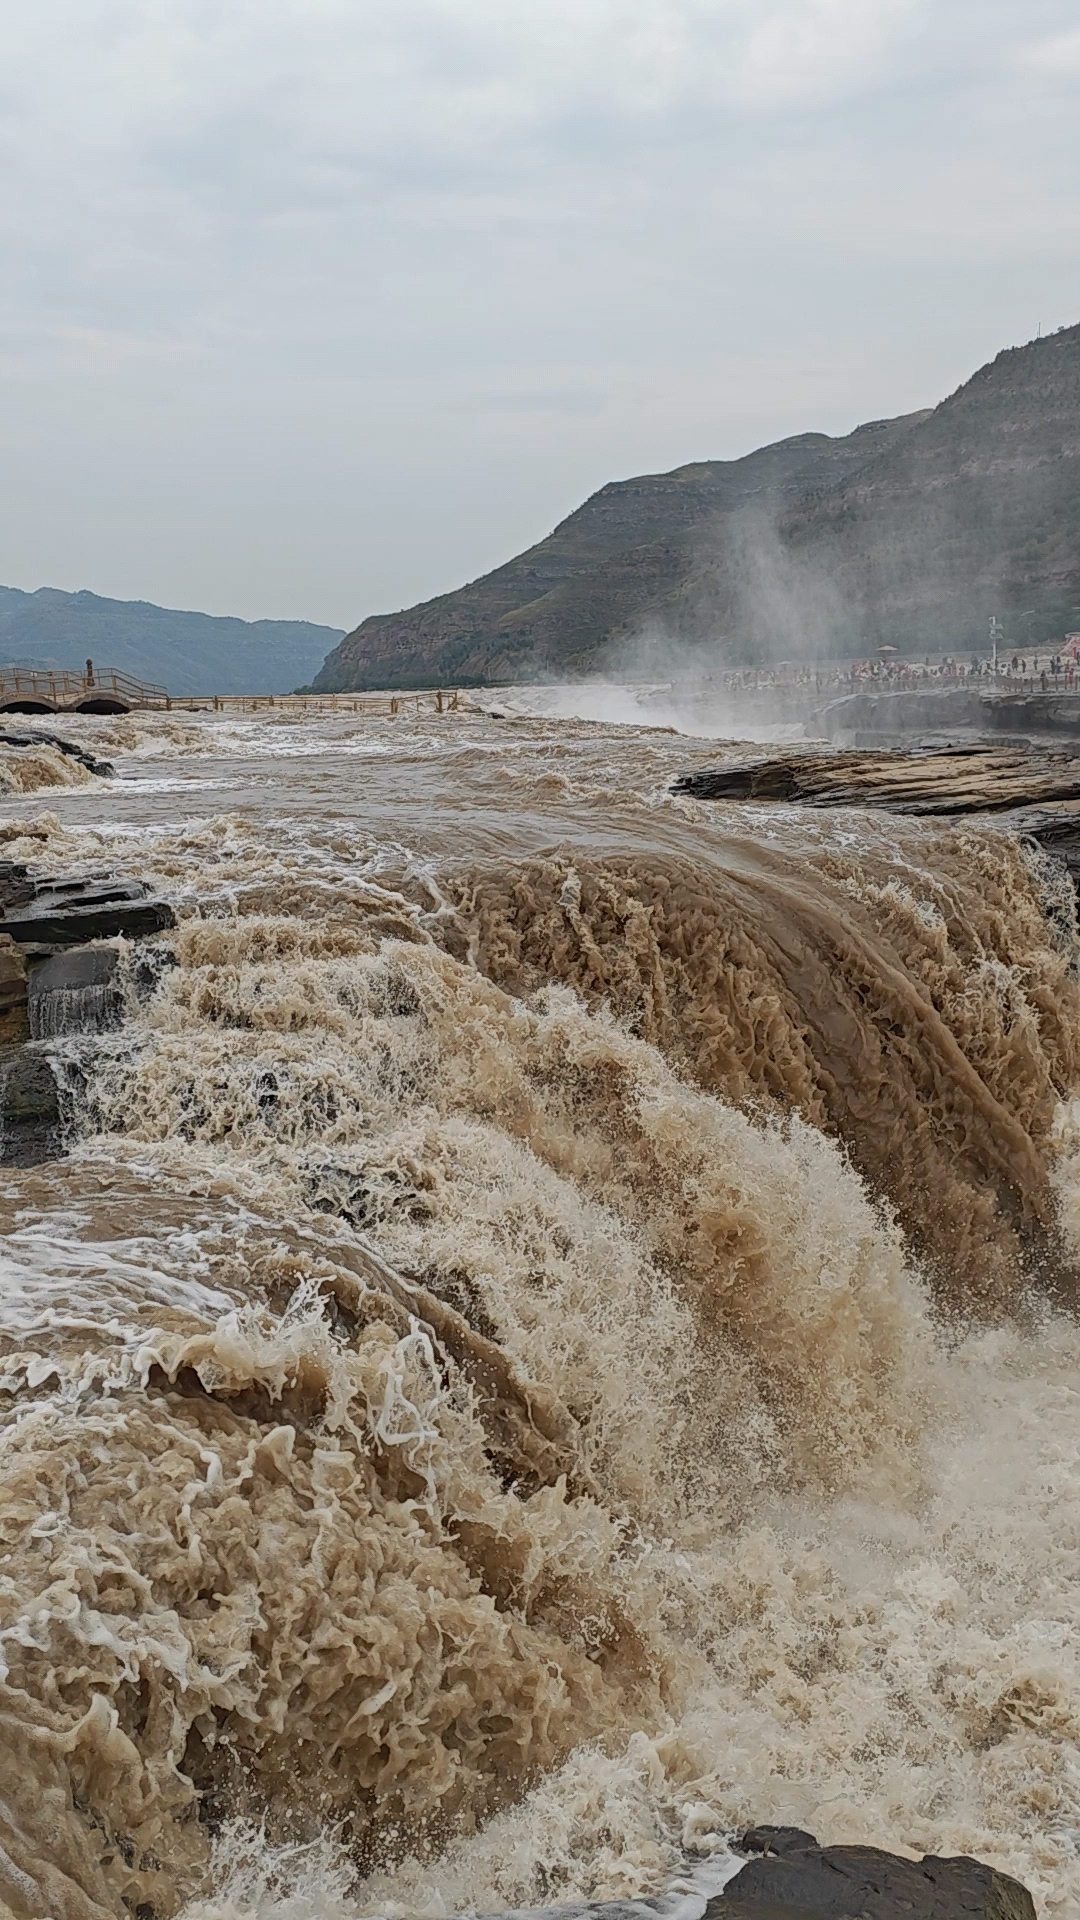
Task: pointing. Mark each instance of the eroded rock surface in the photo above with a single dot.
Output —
(791, 1878)
(49, 913)
(54, 983)
(948, 783)
(78, 991)
(14, 1025)
(1038, 790)
(30, 1130)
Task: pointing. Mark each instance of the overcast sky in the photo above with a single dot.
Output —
(312, 308)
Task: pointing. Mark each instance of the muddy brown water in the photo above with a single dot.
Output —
(555, 1339)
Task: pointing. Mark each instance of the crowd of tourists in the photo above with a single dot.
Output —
(1043, 670)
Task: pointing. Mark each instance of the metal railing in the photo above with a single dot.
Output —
(65, 690)
(61, 688)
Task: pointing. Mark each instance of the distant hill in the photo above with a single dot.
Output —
(186, 652)
(911, 532)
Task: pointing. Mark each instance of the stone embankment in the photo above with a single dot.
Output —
(883, 719)
(54, 982)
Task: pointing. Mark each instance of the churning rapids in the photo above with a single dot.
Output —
(556, 1338)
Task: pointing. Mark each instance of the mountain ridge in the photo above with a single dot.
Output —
(187, 652)
(910, 532)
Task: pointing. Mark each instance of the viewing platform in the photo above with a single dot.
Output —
(898, 716)
(95, 690)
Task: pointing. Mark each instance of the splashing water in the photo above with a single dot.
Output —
(554, 1341)
(28, 769)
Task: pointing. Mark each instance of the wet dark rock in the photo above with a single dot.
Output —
(267, 1091)
(149, 965)
(78, 991)
(53, 983)
(779, 1840)
(103, 768)
(69, 913)
(898, 717)
(29, 1108)
(771, 1910)
(790, 1877)
(14, 1022)
(16, 886)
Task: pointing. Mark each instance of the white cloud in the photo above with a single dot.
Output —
(1057, 57)
(330, 237)
(353, 74)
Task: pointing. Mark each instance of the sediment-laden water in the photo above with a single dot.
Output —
(556, 1338)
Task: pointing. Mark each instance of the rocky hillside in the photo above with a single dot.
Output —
(630, 550)
(911, 531)
(186, 652)
(975, 512)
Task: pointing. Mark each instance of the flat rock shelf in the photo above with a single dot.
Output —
(1035, 791)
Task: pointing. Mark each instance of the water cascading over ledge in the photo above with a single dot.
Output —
(450, 1445)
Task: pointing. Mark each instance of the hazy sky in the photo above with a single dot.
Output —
(312, 308)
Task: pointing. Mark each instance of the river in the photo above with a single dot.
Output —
(555, 1338)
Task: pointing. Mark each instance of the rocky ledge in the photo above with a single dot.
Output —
(104, 769)
(946, 781)
(789, 1877)
(44, 915)
(1035, 789)
(53, 983)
